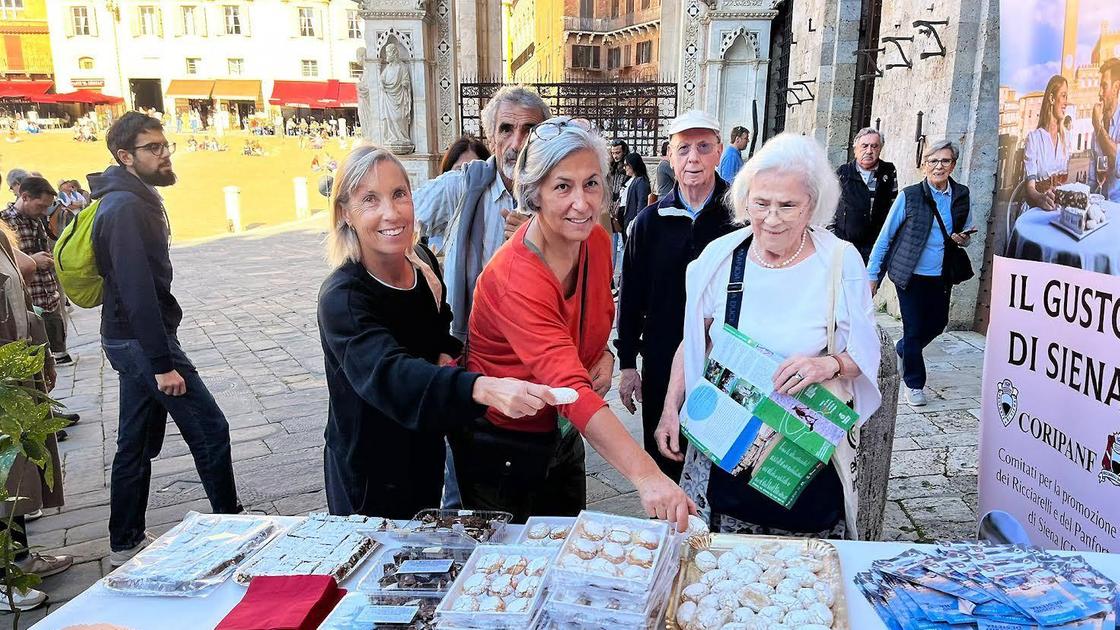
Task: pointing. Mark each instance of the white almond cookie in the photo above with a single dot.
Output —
(708, 602)
(693, 592)
(729, 601)
(788, 586)
(760, 587)
(772, 576)
(785, 602)
(773, 613)
(714, 576)
(743, 615)
(806, 596)
(824, 593)
(705, 561)
(727, 561)
(753, 600)
(743, 552)
(803, 576)
(786, 554)
(712, 619)
(686, 613)
(798, 618)
(821, 614)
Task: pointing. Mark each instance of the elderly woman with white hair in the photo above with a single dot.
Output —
(543, 312)
(928, 221)
(383, 322)
(800, 292)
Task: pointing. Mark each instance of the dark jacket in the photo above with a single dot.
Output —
(908, 243)
(651, 300)
(858, 220)
(131, 240)
(390, 403)
(637, 196)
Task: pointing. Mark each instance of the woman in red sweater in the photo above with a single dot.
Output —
(543, 312)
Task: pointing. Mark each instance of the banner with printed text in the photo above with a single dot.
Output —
(1049, 453)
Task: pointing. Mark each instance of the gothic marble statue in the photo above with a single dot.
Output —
(396, 102)
(365, 101)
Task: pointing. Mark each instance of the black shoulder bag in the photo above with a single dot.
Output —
(955, 267)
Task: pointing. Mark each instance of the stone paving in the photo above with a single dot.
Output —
(250, 328)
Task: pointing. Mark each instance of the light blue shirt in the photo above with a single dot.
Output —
(730, 163)
(1111, 187)
(694, 212)
(929, 262)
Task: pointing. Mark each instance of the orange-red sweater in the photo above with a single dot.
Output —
(521, 326)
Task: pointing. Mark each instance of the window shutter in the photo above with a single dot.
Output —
(70, 22)
(200, 21)
(92, 21)
(134, 22)
(245, 28)
(180, 22)
(319, 30)
(293, 17)
(159, 21)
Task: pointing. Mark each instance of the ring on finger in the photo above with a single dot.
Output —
(798, 376)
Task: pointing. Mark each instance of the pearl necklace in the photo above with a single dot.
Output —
(785, 262)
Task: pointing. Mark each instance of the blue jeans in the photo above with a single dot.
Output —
(143, 420)
(925, 313)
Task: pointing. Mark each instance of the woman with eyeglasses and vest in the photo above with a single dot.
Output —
(543, 312)
(384, 323)
(802, 293)
(911, 250)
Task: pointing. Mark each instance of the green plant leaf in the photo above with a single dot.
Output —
(34, 450)
(20, 360)
(7, 459)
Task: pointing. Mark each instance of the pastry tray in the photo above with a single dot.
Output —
(363, 611)
(718, 543)
(1056, 222)
(495, 523)
(553, 522)
(320, 545)
(567, 577)
(447, 616)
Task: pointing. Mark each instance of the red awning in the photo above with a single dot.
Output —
(314, 94)
(88, 97)
(23, 89)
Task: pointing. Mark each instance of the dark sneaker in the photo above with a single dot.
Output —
(65, 359)
(71, 418)
(61, 435)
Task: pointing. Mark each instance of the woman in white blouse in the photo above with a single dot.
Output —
(793, 272)
(1046, 152)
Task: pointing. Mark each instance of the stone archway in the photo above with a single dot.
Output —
(736, 75)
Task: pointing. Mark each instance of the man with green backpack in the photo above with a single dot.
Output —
(125, 238)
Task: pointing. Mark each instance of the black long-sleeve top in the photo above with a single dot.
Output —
(390, 403)
(664, 239)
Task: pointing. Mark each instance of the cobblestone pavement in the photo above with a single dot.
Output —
(249, 327)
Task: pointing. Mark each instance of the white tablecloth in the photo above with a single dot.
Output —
(1034, 238)
(98, 604)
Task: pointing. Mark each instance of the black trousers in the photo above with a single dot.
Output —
(655, 382)
(56, 330)
(490, 479)
(925, 313)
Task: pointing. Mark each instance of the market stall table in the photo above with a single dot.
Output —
(100, 605)
(1034, 238)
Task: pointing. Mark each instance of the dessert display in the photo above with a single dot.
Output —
(320, 545)
(416, 568)
(363, 611)
(499, 587)
(611, 552)
(479, 525)
(758, 582)
(1079, 212)
(546, 531)
(193, 557)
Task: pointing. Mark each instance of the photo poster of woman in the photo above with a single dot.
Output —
(1059, 127)
(1051, 380)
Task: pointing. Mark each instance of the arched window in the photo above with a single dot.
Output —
(85, 63)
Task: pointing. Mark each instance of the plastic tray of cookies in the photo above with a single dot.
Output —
(769, 580)
(419, 564)
(611, 552)
(480, 525)
(365, 611)
(193, 557)
(546, 531)
(501, 587)
(590, 606)
(321, 544)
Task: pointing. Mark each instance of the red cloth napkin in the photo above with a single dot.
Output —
(284, 602)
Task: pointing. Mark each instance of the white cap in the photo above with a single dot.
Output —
(693, 119)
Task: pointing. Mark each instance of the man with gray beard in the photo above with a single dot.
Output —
(467, 214)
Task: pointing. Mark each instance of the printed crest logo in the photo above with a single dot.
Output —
(1110, 461)
(1007, 400)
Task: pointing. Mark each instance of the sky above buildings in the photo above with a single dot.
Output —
(1031, 33)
